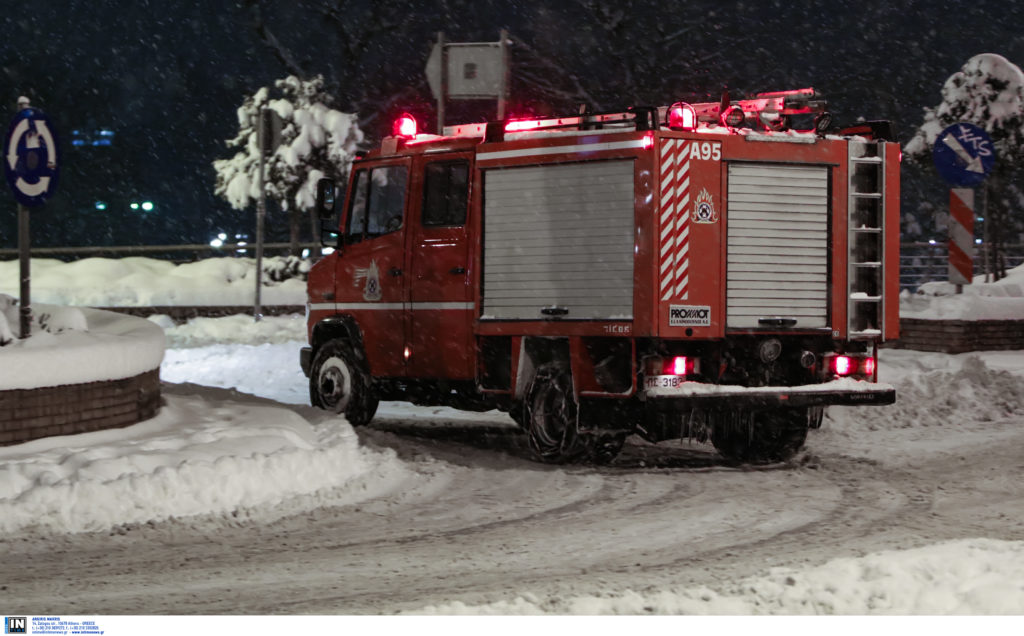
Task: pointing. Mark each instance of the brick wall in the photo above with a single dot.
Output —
(959, 336)
(27, 414)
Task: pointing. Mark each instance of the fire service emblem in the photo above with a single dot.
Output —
(371, 274)
(704, 208)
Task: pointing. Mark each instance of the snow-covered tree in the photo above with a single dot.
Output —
(989, 93)
(316, 141)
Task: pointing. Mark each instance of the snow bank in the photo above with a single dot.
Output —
(75, 345)
(1002, 300)
(977, 576)
(143, 282)
(196, 457)
(239, 329)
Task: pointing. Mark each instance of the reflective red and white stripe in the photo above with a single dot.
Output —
(674, 244)
(961, 236)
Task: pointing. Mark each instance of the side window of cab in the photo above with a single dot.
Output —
(377, 206)
(445, 193)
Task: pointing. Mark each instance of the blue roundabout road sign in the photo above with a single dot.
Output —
(31, 157)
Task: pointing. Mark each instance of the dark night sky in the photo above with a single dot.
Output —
(166, 76)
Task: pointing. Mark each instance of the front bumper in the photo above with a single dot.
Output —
(669, 392)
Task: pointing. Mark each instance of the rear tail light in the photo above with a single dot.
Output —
(867, 366)
(671, 365)
(844, 365)
(679, 365)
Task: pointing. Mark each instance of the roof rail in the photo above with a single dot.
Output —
(770, 109)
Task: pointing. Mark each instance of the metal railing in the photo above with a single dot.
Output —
(176, 253)
(919, 262)
(926, 262)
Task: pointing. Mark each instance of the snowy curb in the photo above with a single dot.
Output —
(111, 347)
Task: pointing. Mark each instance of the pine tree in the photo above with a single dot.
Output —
(316, 141)
(988, 91)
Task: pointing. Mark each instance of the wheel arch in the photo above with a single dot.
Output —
(338, 327)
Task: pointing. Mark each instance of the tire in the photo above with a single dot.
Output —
(339, 381)
(761, 437)
(551, 417)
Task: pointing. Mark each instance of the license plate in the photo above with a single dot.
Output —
(664, 381)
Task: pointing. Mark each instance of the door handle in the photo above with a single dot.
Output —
(457, 270)
(395, 271)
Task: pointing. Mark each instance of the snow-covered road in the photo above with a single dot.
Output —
(232, 503)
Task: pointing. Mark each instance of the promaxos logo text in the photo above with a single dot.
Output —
(689, 316)
(15, 625)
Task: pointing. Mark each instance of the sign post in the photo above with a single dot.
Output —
(468, 70)
(963, 155)
(269, 137)
(31, 165)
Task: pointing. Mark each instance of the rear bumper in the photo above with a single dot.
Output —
(305, 359)
(845, 391)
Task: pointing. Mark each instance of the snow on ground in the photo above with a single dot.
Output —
(977, 576)
(1001, 300)
(197, 457)
(72, 345)
(143, 282)
(259, 458)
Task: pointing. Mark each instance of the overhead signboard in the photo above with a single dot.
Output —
(964, 155)
(31, 157)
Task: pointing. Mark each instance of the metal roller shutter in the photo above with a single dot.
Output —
(777, 259)
(559, 236)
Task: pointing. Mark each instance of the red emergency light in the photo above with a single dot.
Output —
(404, 126)
(682, 117)
(521, 125)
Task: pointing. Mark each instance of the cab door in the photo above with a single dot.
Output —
(371, 268)
(440, 338)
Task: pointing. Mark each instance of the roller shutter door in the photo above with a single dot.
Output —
(777, 258)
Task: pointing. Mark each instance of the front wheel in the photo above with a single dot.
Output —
(760, 437)
(339, 381)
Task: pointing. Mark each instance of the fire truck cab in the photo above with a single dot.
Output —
(692, 271)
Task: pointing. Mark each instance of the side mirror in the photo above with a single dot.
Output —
(325, 196)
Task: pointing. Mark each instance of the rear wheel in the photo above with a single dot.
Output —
(761, 437)
(551, 417)
(339, 381)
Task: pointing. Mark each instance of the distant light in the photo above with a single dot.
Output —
(931, 242)
(216, 242)
(222, 236)
(133, 205)
(241, 251)
(981, 218)
(147, 205)
(242, 243)
(977, 241)
(106, 133)
(77, 142)
(100, 205)
(305, 253)
(327, 251)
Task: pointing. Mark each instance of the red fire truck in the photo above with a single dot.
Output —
(703, 271)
